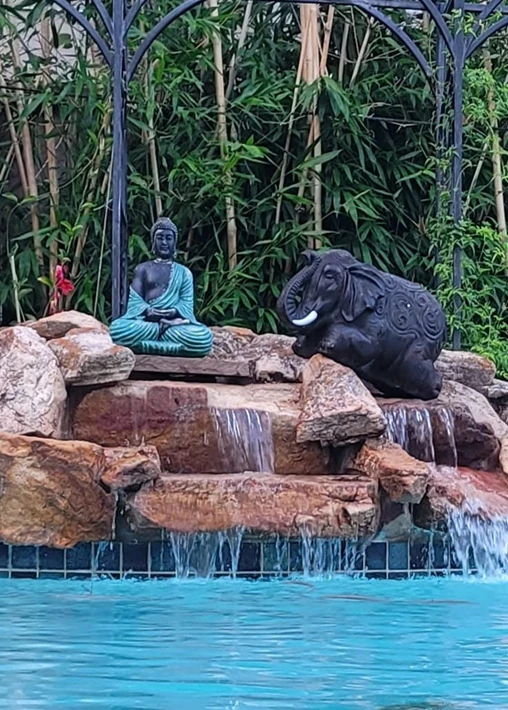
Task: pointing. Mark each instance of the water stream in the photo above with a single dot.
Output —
(245, 440)
(417, 431)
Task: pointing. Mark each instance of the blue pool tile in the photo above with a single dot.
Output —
(4, 555)
(79, 557)
(419, 554)
(24, 574)
(375, 556)
(398, 556)
(276, 556)
(352, 557)
(376, 575)
(51, 559)
(295, 556)
(440, 554)
(161, 557)
(3, 573)
(398, 575)
(135, 557)
(24, 557)
(108, 557)
(250, 557)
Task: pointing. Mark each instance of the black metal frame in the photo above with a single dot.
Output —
(454, 46)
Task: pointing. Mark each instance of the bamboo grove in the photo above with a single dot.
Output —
(261, 129)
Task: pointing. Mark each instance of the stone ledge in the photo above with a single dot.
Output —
(207, 366)
(345, 507)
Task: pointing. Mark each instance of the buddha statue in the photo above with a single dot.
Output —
(160, 313)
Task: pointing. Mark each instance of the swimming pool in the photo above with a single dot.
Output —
(342, 643)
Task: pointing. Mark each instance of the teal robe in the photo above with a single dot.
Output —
(141, 336)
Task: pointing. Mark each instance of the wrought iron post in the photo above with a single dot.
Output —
(119, 244)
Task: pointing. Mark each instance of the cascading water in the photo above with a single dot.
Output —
(324, 557)
(416, 430)
(205, 554)
(245, 439)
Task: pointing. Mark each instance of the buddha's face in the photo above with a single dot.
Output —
(164, 243)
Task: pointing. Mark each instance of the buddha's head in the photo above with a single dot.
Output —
(164, 236)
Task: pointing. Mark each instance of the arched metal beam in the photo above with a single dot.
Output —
(89, 28)
(438, 18)
(99, 6)
(156, 31)
(492, 30)
(404, 38)
(134, 9)
(487, 11)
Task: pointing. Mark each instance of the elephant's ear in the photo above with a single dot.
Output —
(364, 285)
(309, 256)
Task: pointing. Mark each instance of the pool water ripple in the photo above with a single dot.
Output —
(224, 644)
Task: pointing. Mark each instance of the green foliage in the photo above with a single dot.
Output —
(377, 166)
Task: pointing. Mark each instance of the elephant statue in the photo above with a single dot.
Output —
(388, 330)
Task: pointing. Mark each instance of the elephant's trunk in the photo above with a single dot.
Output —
(287, 305)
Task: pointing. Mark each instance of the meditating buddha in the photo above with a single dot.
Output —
(160, 313)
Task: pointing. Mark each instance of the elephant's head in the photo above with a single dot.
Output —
(332, 282)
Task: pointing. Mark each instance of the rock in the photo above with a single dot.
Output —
(480, 493)
(228, 341)
(89, 357)
(337, 408)
(443, 431)
(402, 477)
(344, 507)
(32, 388)
(455, 394)
(237, 353)
(60, 324)
(51, 493)
(187, 423)
(497, 390)
(467, 368)
(130, 468)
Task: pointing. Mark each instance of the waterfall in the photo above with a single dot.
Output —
(324, 557)
(245, 439)
(205, 554)
(418, 431)
(479, 543)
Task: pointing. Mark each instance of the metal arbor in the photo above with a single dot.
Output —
(461, 29)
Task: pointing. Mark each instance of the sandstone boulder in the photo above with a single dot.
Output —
(32, 388)
(467, 368)
(89, 357)
(58, 325)
(480, 493)
(337, 408)
(331, 506)
(403, 478)
(128, 468)
(202, 427)
(52, 492)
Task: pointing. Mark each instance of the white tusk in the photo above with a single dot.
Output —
(300, 322)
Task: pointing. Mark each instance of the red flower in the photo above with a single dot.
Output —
(62, 287)
(62, 284)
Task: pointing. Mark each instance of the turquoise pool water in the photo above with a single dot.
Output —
(168, 645)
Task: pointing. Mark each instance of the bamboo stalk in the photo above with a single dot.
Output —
(223, 136)
(362, 52)
(343, 52)
(51, 148)
(6, 165)
(29, 162)
(15, 286)
(14, 137)
(233, 64)
(326, 40)
(89, 200)
(497, 165)
(285, 157)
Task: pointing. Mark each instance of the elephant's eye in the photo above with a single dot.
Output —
(328, 274)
